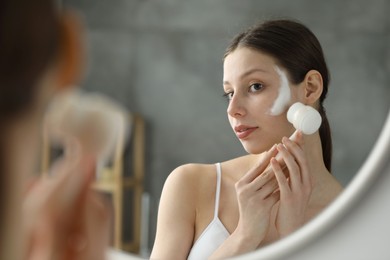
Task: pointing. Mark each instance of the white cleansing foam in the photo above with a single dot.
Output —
(283, 99)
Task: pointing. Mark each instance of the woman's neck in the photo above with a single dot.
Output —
(325, 186)
(314, 155)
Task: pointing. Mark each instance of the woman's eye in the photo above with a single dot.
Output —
(255, 87)
(228, 95)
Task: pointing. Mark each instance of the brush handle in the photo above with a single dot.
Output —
(293, 137)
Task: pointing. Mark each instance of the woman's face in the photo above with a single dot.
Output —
(252, 83)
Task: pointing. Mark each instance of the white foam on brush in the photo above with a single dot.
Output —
(284, 96)
(94, 120)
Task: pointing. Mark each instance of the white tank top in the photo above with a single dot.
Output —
(214, 234)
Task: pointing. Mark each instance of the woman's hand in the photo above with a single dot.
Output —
(256, 196)
(295, 189)
(63, 218)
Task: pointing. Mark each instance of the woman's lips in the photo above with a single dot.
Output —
(243, 132)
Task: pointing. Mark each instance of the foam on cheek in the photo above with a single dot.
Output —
(283, 99)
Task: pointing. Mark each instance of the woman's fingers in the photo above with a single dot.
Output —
(41, 244)
(293, 168)
(298, 153)
(272, 199)
(90, 239)
(301, 158)
(268, 188)
(260, 167)
(73, 180)
(280, 177)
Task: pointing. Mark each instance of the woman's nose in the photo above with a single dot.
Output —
(236, 107)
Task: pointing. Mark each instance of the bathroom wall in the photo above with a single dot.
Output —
(163, 59)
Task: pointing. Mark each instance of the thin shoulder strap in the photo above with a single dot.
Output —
(218, 190)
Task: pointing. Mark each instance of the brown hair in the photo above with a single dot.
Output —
(29, 41)
(298, 50)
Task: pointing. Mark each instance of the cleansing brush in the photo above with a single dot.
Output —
(304, 118)
(93, 120)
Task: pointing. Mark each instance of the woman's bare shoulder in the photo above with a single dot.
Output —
(191, 171)
(190, 176)
(194, 176)
(177, 210)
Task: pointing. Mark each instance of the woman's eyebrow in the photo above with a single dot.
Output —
(251, 71)
(247, 73)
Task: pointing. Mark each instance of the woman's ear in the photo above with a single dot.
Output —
(313, 86)
(70, 59)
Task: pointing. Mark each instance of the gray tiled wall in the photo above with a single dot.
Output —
(163, 59)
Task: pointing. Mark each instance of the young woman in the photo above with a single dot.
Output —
(222, 210)
(58, 218)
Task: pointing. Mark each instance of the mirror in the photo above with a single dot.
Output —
(163, 59)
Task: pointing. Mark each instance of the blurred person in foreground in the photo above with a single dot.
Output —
(59, 217)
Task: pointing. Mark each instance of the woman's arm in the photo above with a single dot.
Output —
(176, 216)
